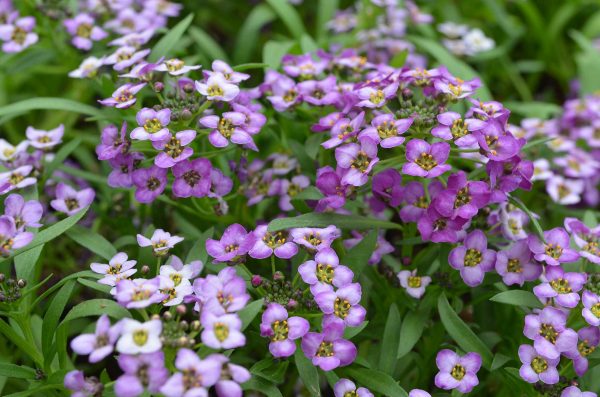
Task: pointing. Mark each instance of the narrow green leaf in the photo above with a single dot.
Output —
(325, 11)
(20, 342)
(499, 361)
(49, 233)
(26, 262)
(207, 44)
(358, 256)
(536, 225)
(273, 51)
(271, 370)
(391, 339)
(541, 110)
(518, 297)
(248, 35)
(263, 386)
(461, 333)
(95, 285)
(97, 307)
(44, 103)
(353, 222)
(411, 331)
(308, 373)
(198, 250)
(60, 157)
(169, 40)
(248, 66)
(307, 44)
(399, 59)
(16, 371)
(376, 381)
(248, 313)
(590, 219)
(52, 318)
(92, 241)
(288, 14)
(351, 332)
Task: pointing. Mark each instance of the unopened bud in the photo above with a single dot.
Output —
(181, 309)
(159, 86)
(256, 281)
(145, 269)
(278, 276)
(21, 283)
(167, 316)
(292, 304)
(186, 115)
(406, 261)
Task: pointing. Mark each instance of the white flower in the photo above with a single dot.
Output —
(565, 191)
(477, 42)
(160, 241)
(9, 152)
(118, 268)
(139, 337)
(88, 68)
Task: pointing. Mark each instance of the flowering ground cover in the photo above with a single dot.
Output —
(299, 198)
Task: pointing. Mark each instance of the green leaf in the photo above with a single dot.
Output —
(517, 297)
(49, 233)
(95, 285)
(207, 44)
(169, 40)
(289, 16)
(399, 59)
(499, 361)
(248, 35)
(271, 370)
(307, 44)
(536, 225)
(273, 51)
(308, 373)
(248, 313)
(541, 110)
(92, 241)
(391, 339)
(376, 381)
(352, 222)
(457, 67)
(97, 307)
(590, 219)
(52, 318)
(16, 371)
(45, 103)
(351, 332)
(198, 250)
(325, 11)
(249, 66)
(461, 333)
(20, 342)
(411, 330)
(60, 157)
(263, 386)
(26, 262)
(358, 256)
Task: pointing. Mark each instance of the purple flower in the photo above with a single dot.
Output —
(387, 188)
(343, 130)
(382, 247)
(99, 344)
(80, 385)
(515, 265)
(343, 304)
(549, 332)
(88, 68)
(138, 293)
(9, 152)
(413, 284)
(234, 244)
(152, 125)
(328, 350)
(455, 88)
(498, 144)
(537, 367)
(418, 393)
(285, 93)
(329, 182)
(196, 375)
(17, 35)
(457, 372)
(118, 268)
(41, 139)
(282, 330)
(222, 293)
(319, 93)
(462, 198)
(222, 331)
(589, 339)
(426, 160)
(473, 259)
(386, 130)
(217, 88)
(288, 189)
(221, 68)
(173, 150)
(24, 214)
(561, 286)
(10, 238)
(586, 239)
(564, 191)
(122, 169)
(433, 226)
(71, 201)
(253, 122)
(192, 178)
(17, 178)
(591, 308)
(345, 387)
(325, 272)
(358, 160)
(268, 243)
(376, 97)
(142, 371)
(453, 127)
(113, 142)
(574, 391)
(124, 96)
(315, 238)
(556, 248)
(416, 199)
(83, 31)
(227, 128)
(149, 183)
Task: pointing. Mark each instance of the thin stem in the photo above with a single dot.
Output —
(273, 265)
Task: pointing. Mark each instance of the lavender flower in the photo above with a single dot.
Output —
(143, 371)
(152, 125)
(226, 128)
(282, 330)
(192, 178)
(83, 31)
(217, 88)
(234, 244)
(425, 160)
(118, 268)
(591, 308)
(556, 248)
(537, 367)
(17, 35)
(561, 286)
(24, 214)
(222, 293)
(149, 183)
(328, 350)
(574, 391)
(457, 372)
(138, 293)
(453, 127)
(345, 387)
(473, 259)
(549, 332)
(113, 142)
(358, 160)
(413, 284)
(173, 150)
(124, 96)
(80, 385)
(41, 139)
(268, 243)
(515, 264)
(325, 272)
(10, 238)
(175, 67)
(315, 238)
(342, 304)
(160, 241)
(222, 331)
(71, 201)
(99, 344)
(196, 375)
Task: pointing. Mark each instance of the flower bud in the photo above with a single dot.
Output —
(278, 276)
(159, 86)
(21, 283)
(256, 281)
(181, 309)
(145, 269)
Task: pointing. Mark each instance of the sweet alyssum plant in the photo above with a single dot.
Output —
(345, 223)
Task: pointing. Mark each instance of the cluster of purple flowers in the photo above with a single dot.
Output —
(571, 168)
(16, 32)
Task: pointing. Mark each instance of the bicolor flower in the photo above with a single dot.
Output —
(233, 246)
(222, 331)
(561, 286)
(549, 332)
(315, 238)
(342, 304)
(124, 96)
(138, 293)
(118, 268)
(217, 88)
(17, 178)
(41, 139)
(175, 67)
(591, 308)
(413, 284)
(222, 293)
(515, 264)
(269, 243)
(325, 272)
(139, 337)
(161, 242)
(564, 191)
(358, 159)
(282, 330)
(453, 127)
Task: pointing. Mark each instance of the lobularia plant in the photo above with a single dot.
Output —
(295, 231)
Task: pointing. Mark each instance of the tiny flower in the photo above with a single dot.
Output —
(124, 96)
(125, 57)
(589, 338)
(586, 239)
(83, 31)
(515, 264)
(99, 344)
(89, 68)
(226, 128)
(376, 97)
(24, 214)
(344, 304)
(386, 130)
(536, 367)
(549, 333)
(234, 244)
(513, 223)
(192, 178)
(426, 160)
(269, 243)
(222, 68)
(456, 88)
(498, 144)
(319, 93)
(418, 393)
(416, 199)
(222, 293)
(10, 238)
(152, 124)
(325, 272)
(195, 378)
(473, 259)
(343, 130)
(556, 248)
(561, 286)
(453, 127)
(118, 268)
(328, 350)
(414, 285)
(41, 139)
(462, 198)
(288, 189)
(541, 170)
(457, 372)
(160, 241)
(345, 387)
(222, 331)
(574, 391)
(564, 191)
(17, 35)
(217, 88)
(139, 337)
(173, 150)
(82, 386)
(9, 152)
(387, 187)
(315, 238)
(138, 293)
(591, 308)
(282, 330)
(232, 376)
(433, 226)
(149, 183)
(142, 371)
(113, 142)
(71, 201)
(175, 67)
(358, 160)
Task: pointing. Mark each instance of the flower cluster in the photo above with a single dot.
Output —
(464, 41)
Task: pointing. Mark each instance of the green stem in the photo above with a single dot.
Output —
(273, 265)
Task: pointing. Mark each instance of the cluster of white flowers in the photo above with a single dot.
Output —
(461, 40)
